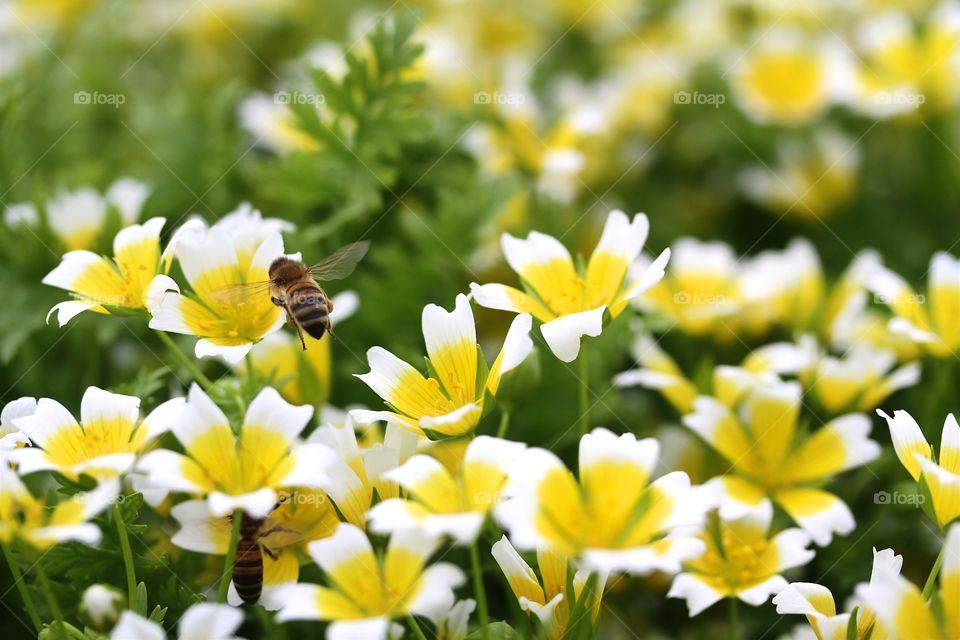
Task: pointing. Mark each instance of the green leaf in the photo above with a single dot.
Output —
(499, 630)
(142, 599)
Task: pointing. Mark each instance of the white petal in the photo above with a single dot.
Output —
(563, 334)
(368, 629)
(345, 304)
(156, 291)
(230, 355)
(494, 296)
(538, 248)
(196, 531)
(163, 417)
(198, 416)
(792, 548)
(299, 602)
(435, 597)
(108, 408)
(134, 627)
(138, 233)
(458, 421)
(601, 445)
(760, 593)
(346, 542)
(651, 276)
(310, 462)
(271, 412)
(698, 594)
(67, 311)
(209, 621)
(256, 504)
(73, 265)
(798, 597)
(46, 422)
(517, 345)
(644, 560)
(164, 469)
(442, 328)
(622, 237)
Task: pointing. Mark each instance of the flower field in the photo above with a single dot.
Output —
(442, 320)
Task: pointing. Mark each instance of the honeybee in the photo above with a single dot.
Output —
(248, 563)
(293, 286)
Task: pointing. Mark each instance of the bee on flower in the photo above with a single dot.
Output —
(902, 611)
(105, 442)
(238, 471)
(930, 320)
(743, 560)
(613, 519)
(445, 504)
(236, 250)
(569, 304)
(547, 597)
(939, 477)
(301, 376)
(129, 283)
(758, 438)
(367, 592)
(452, 399)
(816, 603)
(302, 515)
(43, 525)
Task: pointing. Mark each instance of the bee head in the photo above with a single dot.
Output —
(284, 270)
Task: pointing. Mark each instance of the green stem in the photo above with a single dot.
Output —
(932, 578)
(194, 370)
(504, 423)
(480, 594)
(127, 558)
(231, 556)
(584, 391)
(734, 619)
(51, 601)
(417, 631)
(22, 588)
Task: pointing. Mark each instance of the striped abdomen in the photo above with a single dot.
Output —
(248, 564)
(307, 303)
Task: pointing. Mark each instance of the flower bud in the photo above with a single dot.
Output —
(100, 606)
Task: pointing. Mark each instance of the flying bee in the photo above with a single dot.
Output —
(294, 286)
(248, 563)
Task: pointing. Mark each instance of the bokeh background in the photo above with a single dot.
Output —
(431, 127)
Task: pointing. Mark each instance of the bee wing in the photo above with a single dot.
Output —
(234, 294)
(341, 263)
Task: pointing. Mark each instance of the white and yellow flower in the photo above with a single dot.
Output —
(202, 621)
(782, 287)
(445, 504)
(547, 597)
(700, 291)
(451, 400)
(859, 380)
(941, 477)
(213, 260)
(454, 623)
(239, 471)
(43, 525)
(302, 516)
(809, 181)
(742, 560)
(301, 376)
(104, 444)
(767, 460)
(930, 320)
(816, 603)
(77, 217)
(11, 437)
(900, 608)
(614, 518)
(354, 475)
(783, 78)
(569, 304)
(367, 592)
(271, 122)
(131, 281)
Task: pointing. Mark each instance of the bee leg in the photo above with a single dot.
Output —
(277, 301)
(299, 333)
(270, 552)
